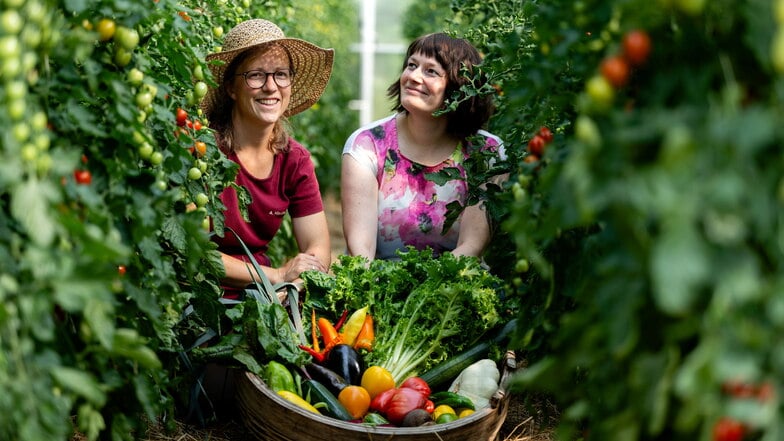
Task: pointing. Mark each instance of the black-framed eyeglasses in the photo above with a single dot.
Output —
(256, 79)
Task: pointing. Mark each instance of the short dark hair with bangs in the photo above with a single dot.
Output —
(452, 53)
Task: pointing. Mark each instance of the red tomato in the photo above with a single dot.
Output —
(615, 70)
(546, 134)
(636, 47)
(197, 125)
(728, 429)
(121, 270)
(536, 145)
(417, 384)
(530, 158)
(83, 177)
(181, 117)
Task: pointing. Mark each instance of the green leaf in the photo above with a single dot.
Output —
(81, 383)
(30, 206)
(679, 265)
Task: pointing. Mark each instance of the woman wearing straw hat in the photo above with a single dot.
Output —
(264, 77)
(386, 163)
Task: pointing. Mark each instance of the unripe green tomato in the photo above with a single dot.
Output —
(690, 7)
(205, 224)
(778, 12)
(201, 200)
(42, 142)
(194, 174)
(141, 116)
(21, 131)
(517, 282)
(29, 152)
(147, 87)
(143, 99)
(10, 67)
(202, 165)
(127, 38)
(217, 31)
(585, 130)
(44, 163)
(161, 185)
(15, 90)
(600, 91)
(10, 47)
(145, 150)
(121, 57)
(39, 121)
(156, 158)
(522, 266)
(16, 109)
(198, 72)
(200, 89)
(135, 76)
(11, 22)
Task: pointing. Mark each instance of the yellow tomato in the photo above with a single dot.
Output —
(356, 400)
(464, 413)
(376, 379)
(441, 410)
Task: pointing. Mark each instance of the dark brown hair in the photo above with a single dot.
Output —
(452, 53)
(220, 119)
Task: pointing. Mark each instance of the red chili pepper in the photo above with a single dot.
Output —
(318, 357)
(341, 320)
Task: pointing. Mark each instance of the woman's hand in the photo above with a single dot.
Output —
(302, 262)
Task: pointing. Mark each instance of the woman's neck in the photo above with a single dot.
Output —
(424, 140)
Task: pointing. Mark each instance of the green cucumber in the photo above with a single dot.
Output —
(447, 371)
(451, 399)
(320, 394)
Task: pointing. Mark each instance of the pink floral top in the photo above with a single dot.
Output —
(411, 208)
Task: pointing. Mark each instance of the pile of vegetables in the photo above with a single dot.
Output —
(336, 382)
(425, 309)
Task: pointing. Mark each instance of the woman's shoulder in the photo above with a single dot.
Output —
(377, 129)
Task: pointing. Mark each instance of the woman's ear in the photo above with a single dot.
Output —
(229, 88)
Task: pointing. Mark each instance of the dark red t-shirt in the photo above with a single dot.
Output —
(291, 187)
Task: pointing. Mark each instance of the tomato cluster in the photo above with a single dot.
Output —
(538, 143)
(616, 69)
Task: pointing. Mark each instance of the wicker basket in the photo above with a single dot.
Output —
(271, 418)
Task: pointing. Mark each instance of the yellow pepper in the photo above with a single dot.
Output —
(353, 325)
(295, 399)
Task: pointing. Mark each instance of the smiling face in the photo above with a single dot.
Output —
(422, 84)
(266, 104)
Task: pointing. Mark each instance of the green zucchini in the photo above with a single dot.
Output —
(440, 375)
(319, 394)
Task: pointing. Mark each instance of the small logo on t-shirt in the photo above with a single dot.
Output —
(277, 213)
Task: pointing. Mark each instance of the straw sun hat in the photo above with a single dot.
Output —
(312, 65)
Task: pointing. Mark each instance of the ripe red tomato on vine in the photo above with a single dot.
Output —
(83, 177)
(615, 69)
(181, 116)
(546, 134)
(636, 47)
(728, 429)
(536, 145)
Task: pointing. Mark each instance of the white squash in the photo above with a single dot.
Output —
(478, 382)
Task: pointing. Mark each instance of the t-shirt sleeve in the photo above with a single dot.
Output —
(361, 147)
(305, 197)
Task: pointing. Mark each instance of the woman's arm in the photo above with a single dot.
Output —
(359, 203)
(474, 232)
(312, 236)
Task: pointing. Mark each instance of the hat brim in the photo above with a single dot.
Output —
(312, 67)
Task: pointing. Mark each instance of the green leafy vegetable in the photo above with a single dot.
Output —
(425, 308)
